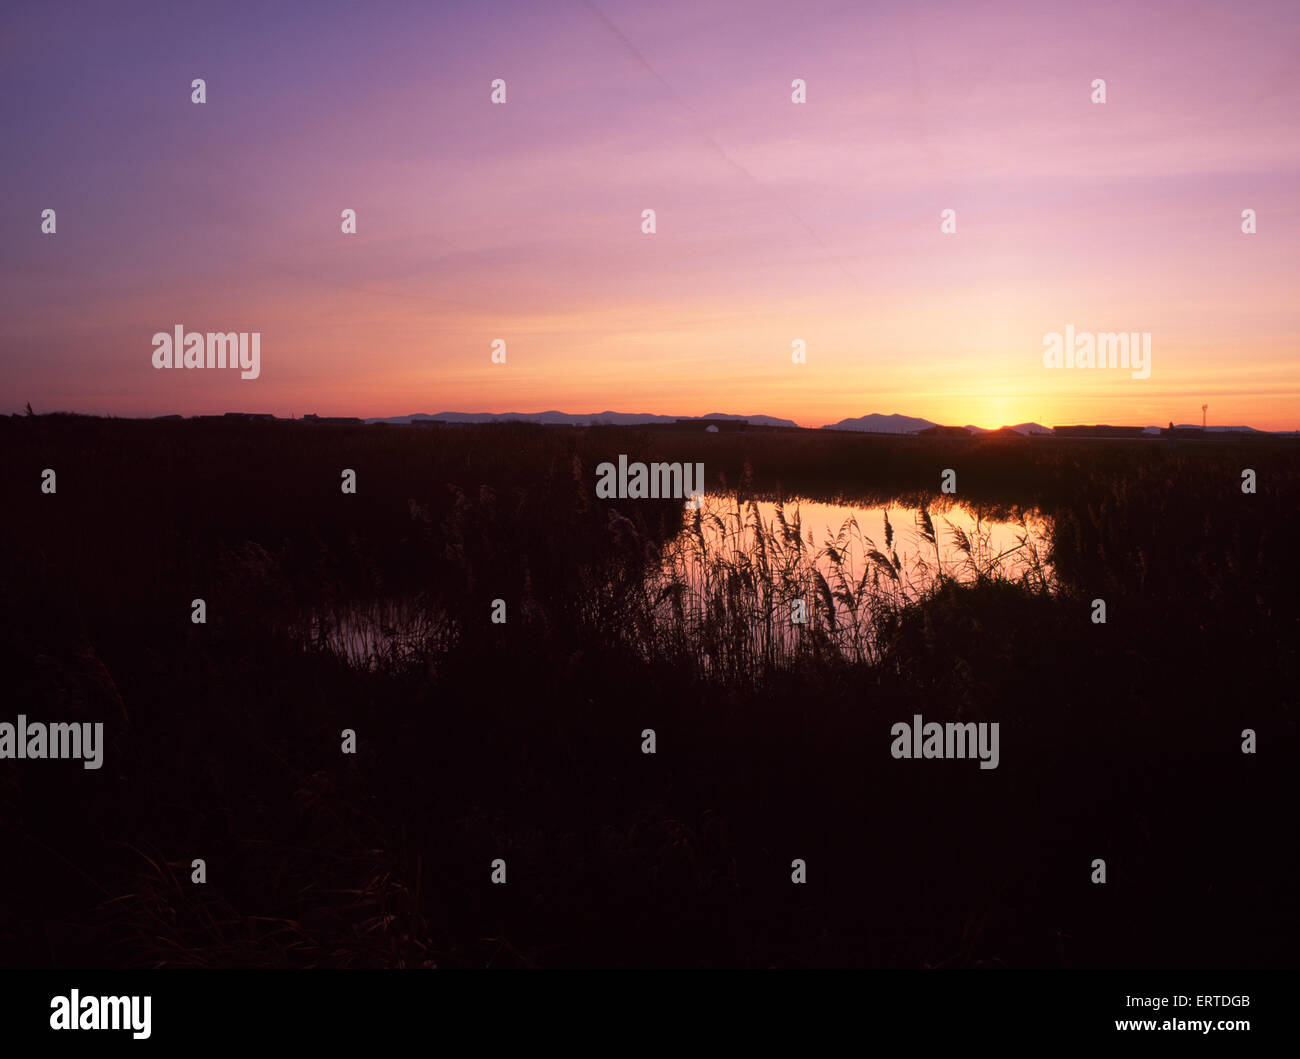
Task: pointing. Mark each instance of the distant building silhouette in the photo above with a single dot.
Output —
(1101, 430)
(312, 417)
(721, 426)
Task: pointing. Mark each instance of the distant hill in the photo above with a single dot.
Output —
(900, 424)
(874, 423)
(757, 421)
(1209, 430)
(881, 424)
(554, 418)
(1019, 428)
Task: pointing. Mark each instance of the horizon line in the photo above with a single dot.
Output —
(594, 417)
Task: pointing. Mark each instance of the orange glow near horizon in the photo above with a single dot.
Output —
(775, 221)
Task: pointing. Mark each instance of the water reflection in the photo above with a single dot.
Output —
(962, 542)
(391, 633)
(753, 581)
(762, 582)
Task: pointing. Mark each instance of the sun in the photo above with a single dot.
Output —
(996, 413)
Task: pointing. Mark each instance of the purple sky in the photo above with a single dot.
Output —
(776, 221)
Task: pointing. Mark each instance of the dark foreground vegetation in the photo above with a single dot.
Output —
(522, 741)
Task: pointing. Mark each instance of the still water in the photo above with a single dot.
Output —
(959, 541)
(753, 561)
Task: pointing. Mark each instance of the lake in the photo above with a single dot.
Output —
(758, 567)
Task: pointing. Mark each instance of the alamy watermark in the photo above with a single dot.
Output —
(60, 741)
(75, 1012)
(640, 481)
(1103, 349)
(951, 740)
(215, 349)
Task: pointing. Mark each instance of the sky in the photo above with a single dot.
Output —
(775, 221)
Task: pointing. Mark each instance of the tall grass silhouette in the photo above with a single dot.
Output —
(728, 586)
(522, 740)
